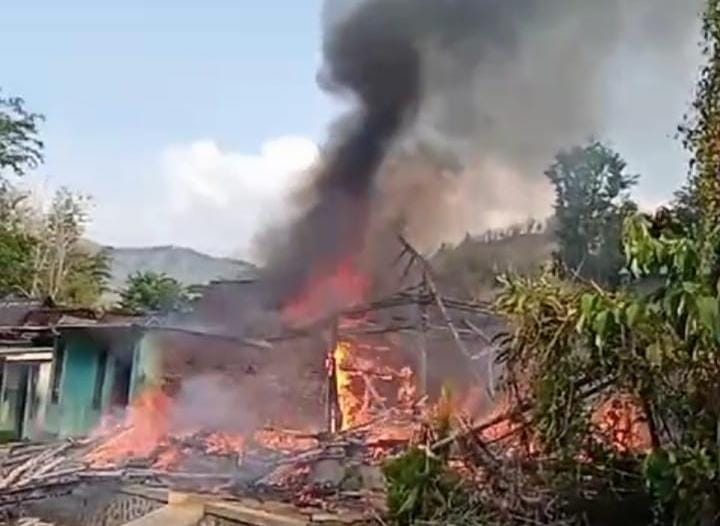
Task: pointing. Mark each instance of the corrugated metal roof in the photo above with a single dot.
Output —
(15, 311)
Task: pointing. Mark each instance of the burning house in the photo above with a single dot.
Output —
(234, 395)
(294, 387)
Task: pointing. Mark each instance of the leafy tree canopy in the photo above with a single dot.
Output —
(591, 201)
(153, 292)
(20, 146)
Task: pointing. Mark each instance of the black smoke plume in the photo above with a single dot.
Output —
(373, 60)
(485, 87)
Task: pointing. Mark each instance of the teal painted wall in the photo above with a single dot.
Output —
(52, 413)
(146, 368)
(76, 414)
(33, 389)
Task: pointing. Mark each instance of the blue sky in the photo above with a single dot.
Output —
(187, 120)
(119, 82)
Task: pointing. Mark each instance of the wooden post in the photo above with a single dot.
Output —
(438, 300)
(333, 415)
(422, 372)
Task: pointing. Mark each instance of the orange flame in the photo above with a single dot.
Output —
(144, 430)
(146, 434)
(344, 286)
(350, 404)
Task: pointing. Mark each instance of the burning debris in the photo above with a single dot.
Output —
(385, 393)
(378, 392)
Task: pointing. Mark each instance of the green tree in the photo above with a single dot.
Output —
(20, 146)
(20, 150)
(17, 244)
(88, 280)
(592, 199)
(153, 292)
(574, 344)
(16, 262)
(63, 267)
(41, 251)
(701, 133)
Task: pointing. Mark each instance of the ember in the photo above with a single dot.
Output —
(621, 422)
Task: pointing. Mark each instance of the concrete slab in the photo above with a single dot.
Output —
(187, 514)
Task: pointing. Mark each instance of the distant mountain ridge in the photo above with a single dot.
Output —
(186, 265)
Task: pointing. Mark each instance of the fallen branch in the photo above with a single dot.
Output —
(513, 414)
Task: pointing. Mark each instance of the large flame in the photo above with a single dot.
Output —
(146, 433)
(366, 387)
(351, 405)
(326, 292)
(144, 430)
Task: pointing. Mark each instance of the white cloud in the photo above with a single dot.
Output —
(218, 200)
(207, 198)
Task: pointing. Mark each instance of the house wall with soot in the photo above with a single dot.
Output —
(239, 384)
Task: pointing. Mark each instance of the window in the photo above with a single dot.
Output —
(57, 371)
(100, 380)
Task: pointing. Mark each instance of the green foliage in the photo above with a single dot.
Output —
(659, 344)
(153, 292)
(63, 268)
(544, 355)
(40, 251)
(591, 202)
(20, 147)
(16, 264)
(423, 489)
(88, 280)
(701, 132)
(659, 339)
(421, 486)
(684, 482)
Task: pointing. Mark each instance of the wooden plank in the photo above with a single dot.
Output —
(29, 357)
(10, 350)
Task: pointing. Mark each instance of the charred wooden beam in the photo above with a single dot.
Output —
(333, 414)
(432, 288)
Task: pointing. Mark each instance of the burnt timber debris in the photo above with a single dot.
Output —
(341, 460)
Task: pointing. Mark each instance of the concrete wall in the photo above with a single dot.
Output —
(147, 364)
(9, 395)
(35, 391)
